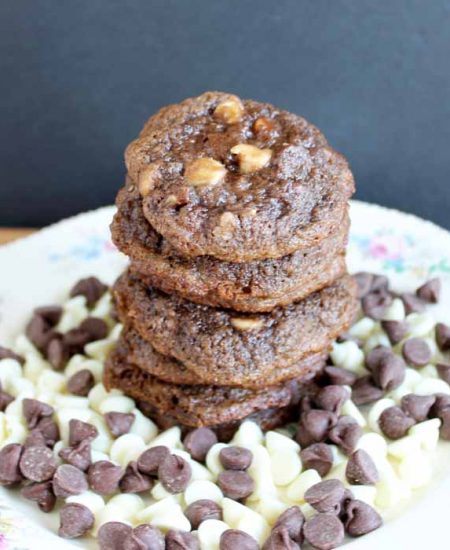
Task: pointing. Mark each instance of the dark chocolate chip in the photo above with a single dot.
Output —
(293, 520)
(340, 376)
(375, 304)
(345, 434)
(442, 332)
(81, 383)
(233, 539)
(145, 537)
(174, 473)
(112, 535)
(236, 484)
(331, 398)
(39, 332)
(198, 442)
(58, 353)
(75, 339)
(78, 456)
(314, 426)
(317, 456)
(444, 430)
(34, 411)
(395, 423)
(50, 430)
(360, 518)
(364, 283)
(416, 352)
(442, 402)
(417, 406)
(430, 292)
(201, 510)
(364, 391)
(444, 372)
(75, 521)
(42, 494)
(51, 314)
(119, 423)
(326, 496)
(235, 458)
(361, 469)
(149, 461)
(81, 431)
(376, 355)
(179, 540)
(395, 330)
(95, 328)
(133, 481)
(69, 481)
(104, 477)
(412, 303)
(91, 288)
(389, 373)
(9, 464)
(5, 400)
(35, 439)
(37, 464)
(279, 540)
(6, 353)
(324, 531)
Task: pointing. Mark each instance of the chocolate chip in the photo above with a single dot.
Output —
(75, 339)
(233, 538)
(91, 288)
(324, 531)
(119, 423)
(279, 540)
(145, 537)
(442, 402)
(198, 442)
(179, 540)
(201, 510)
(34, 410)
(395, 423)
(375, 304)
(149, 461)
(37, 463)
(51, 314)
(58, 353)
(326, 496)
(5, 400)
(345, 434)
(331, 398)
(9, 464)
(340, 376)
(317, 456)
(389, 373)
(416, 352)
(375, 356)
(95, 328)
(69, 481)
(363, 282)
(75, 520)
(314, 426)
(78, 456)
(417, 406)
(35, 439)
(360, 518)
(81, 383)
(293, 520)
(49, 429)
(236, 484)
(395, 330)
(364, 391)
(442, 332)
(104, 477)
(42, 494)
(444, 430)
(174, 473)
(444, 372)
(412, 303)
(39, 332)
(133, 481)
(235, 458)
(81, 431)
(112, 535)
(6, 353)
(361, 469)
(430, 292)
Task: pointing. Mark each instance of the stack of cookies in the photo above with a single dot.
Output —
(235, 218)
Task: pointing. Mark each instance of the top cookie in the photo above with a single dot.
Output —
(237, 179)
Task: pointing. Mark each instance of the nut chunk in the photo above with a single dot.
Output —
(251, 158)
(229, 111)
(205, 171)
(147, 179)
(246, 323)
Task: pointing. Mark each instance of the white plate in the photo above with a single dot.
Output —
(41, 269)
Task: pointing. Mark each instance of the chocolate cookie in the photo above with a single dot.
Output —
(142, 354)
(195, 405)
(243, 347)
(237, 179)
(253, 286)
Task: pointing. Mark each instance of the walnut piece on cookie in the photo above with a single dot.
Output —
(205, 172)
(251, 158)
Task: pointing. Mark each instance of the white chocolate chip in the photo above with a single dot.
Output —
(395, 312)
(209, 533)
(427, 433)
(286, 466)
(247, 323)
(251, 158)
(201, 489)
(126, 448)
(170, 438)
(248, 435)
(375, 412)
(296, 490)
(212, 459)
(348, 356)
(362, 328)
(205, 172)
(143, 426)
(116, 403)
(276, 441)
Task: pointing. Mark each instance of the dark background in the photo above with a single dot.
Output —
(79, 77)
